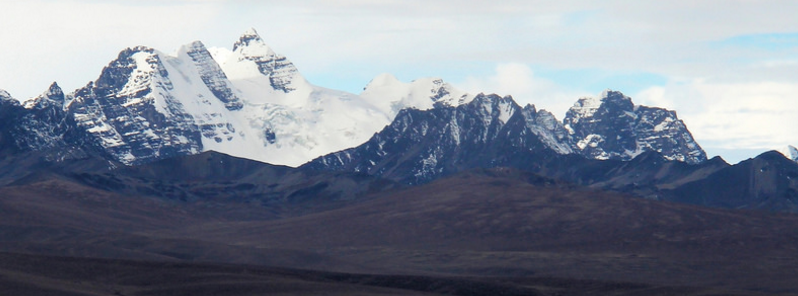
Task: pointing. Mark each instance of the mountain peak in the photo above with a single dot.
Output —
(130, 51)
(384, 80)
(211, 74)
(251, 32)
(196, 45)
(609, 93)
(391, 95)
(612, 127)
(248, 36)
(584, 107)
(251, 44)
(587, 106)
(282, 74)
(616, 98)
(54, 95)
(4, 95)
(54, 92)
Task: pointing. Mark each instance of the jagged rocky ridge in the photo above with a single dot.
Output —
(252, 102)
(612, 127)
(420, 146)
(42, 125)
(449, 132)
(278, 69)
(489, 131)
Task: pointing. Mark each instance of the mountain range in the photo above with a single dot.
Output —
(224, 171)
(252, 102)
(666, 164)
(494, 131)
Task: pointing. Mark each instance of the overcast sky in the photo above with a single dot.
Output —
(729, 68)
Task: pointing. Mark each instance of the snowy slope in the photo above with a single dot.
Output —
(248, 102)
(148, 105)
(391, 95)
(260, 74)
(548, 129)
(790, 152)
(290, 121)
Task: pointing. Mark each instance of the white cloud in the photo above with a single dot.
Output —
(728, 116)
(70, 41)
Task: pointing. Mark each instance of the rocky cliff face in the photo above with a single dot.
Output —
(44, 126)
(420, 146)
(282, 74)
(131, 111)
(41, 124)
(9, 108)
(212, 75)
(612, 127)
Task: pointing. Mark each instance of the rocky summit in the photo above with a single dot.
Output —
(612, 127)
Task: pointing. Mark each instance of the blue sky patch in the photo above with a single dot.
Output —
(597, 80)
(770, 41)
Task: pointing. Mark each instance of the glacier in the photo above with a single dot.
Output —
(248, 102)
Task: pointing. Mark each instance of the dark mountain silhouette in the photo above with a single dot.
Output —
(768, 181)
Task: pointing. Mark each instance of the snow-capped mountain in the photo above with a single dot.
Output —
(248, 102)
(253, 103)
(146, 105)
(288, 120)
(612, 127)
(491, 131)
(790, 152)
(390, 95)
(421, 145)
